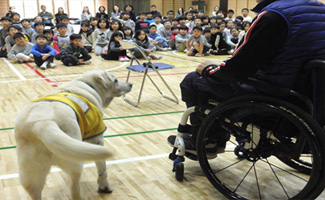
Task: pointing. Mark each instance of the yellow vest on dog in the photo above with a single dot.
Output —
(89, 116)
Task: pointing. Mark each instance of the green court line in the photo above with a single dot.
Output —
(123, 117)
(118, 135)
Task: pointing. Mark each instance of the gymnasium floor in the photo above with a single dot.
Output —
(140, 168)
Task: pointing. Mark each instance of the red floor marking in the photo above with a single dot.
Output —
(41, 75)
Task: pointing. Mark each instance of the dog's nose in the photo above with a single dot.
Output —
(130, 85)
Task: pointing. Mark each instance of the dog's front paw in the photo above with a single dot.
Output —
(105, 190)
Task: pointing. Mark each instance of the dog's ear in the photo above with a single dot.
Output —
(99, 78)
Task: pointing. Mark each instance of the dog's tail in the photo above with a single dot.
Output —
(64, 146)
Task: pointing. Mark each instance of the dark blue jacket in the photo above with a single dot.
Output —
(305, 40)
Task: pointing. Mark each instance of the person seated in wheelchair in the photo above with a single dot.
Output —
(273, 52)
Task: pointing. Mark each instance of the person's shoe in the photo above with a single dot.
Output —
(51, 65)
(87, 62)
(20, 60)
(169, 49)
(199, 55)
(44, 65)
(185, 51)
(153, 57)
(189, 144)
(212, 149)
(165, 49)
(126, 58)
(121, 59)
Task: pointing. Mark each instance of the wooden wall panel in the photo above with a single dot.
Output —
(209, 6)
(179, 3)
(4, 6)
(159, 4)
(167, 5)
(240, 5)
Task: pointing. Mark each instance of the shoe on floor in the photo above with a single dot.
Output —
(121, 59)
(87, 62)
(126, 58)
(44, 65)
(51, 65)
(212, 149)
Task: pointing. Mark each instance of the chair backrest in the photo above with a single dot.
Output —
(314, 87)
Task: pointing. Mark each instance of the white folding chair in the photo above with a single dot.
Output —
(145, 68)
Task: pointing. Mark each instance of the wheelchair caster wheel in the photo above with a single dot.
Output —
(172, 156)
(240, 152)
(179, 173)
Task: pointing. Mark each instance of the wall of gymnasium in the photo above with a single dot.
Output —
(165, 5)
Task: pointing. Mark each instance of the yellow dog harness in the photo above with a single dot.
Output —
(88, 115)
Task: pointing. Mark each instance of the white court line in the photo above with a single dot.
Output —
(64, 76)
(14, 69)
(127, 160)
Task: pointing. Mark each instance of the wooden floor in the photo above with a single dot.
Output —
(140, 168)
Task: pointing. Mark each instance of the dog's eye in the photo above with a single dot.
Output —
(116, 81)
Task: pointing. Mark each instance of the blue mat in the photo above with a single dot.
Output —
(141, 68)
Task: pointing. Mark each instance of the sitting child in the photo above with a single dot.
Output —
(5, 21)
(115, 51)
(49, 34)
(197, 44)
(181, 38)
(75, 53)
(25, 27)
(87, 36)
(234, 36)
(172, 42)
(20, 52)
(65, 20)
(218, 44)
(39, 27)
(127, 21)
(61, 40)
(141, 39)
(43, 53)
(158, 41)
(128, 33)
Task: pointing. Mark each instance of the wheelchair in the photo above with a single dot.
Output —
(276, 142)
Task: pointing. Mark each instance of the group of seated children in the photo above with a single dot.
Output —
(192, 33)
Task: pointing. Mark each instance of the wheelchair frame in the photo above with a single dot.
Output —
(314, 189)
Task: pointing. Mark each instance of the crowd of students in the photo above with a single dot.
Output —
(191, 32)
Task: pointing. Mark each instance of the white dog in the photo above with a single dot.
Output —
(49, 132)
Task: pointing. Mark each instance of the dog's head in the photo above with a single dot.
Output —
(106, 85)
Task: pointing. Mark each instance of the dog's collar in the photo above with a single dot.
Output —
(89, 85)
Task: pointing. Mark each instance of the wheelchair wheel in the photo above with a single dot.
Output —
(271, 131)
(179, 171)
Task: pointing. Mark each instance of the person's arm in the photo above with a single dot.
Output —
(12, 53)
(265, 37)
(35, 51)
(50, 50)
(113, 48)
(8, 45)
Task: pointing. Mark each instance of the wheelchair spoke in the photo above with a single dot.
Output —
(277, 178)
(258, 186)
(244, 177)
(228, 166)
(285, 171)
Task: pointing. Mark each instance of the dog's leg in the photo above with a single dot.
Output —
(103, 185)
(33, 172)
(74, 170)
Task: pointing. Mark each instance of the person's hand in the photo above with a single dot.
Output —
(81, 45)
(121, 48)
(148, 51)
(45, 56)
(203, 65)
(81, 61)
(93, 50)
(155, 43)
